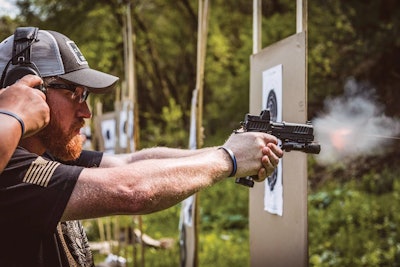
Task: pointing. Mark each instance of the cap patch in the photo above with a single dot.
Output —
(77, 53)
(40, 172)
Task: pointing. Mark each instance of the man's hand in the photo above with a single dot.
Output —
(270, 160)
(26, 102)
(256, 153)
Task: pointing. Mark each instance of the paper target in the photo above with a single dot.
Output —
(272, 100)
(108, 132)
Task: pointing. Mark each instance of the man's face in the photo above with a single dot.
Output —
(68, 110)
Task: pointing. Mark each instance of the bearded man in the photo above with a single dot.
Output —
(50, 182)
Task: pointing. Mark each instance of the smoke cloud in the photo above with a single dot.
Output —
(352, 125)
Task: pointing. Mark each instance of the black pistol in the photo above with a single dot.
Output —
(294, 136)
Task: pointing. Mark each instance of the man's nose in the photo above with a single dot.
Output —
(84, 111)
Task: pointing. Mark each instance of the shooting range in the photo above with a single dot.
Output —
(278, 214)
(278, 206)
(189, 73)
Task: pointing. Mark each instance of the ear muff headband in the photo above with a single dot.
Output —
(24, 37)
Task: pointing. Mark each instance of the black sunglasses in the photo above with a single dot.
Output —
(83, 93)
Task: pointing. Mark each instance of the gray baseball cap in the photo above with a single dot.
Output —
(54, 54)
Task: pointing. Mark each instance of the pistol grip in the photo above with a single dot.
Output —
(246, 181)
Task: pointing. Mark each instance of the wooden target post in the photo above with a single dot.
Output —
(280, 238)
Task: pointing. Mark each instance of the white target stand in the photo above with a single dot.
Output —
(278, 206)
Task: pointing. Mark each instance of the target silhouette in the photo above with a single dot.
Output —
(272, 105)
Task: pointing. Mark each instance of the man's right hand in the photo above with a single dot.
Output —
(256, 153)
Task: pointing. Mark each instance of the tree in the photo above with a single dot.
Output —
(354, 39)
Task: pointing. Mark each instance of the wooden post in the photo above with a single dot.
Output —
(257, 19)
(301, 16)
(131, 95)
(201, 48)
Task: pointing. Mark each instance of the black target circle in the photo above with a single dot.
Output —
(272, 105)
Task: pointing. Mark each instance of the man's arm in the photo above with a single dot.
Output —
(10, 131)
(150, 153)
(146, 186)
(20, 101)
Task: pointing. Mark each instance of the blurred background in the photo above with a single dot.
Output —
(353, 66)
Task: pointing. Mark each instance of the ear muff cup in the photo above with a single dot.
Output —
(17, 73)
(24, 37)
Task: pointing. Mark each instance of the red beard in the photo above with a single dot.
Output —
(65, 146)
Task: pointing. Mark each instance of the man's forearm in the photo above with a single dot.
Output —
(144, 186)
(150, 153)
(10, 132)
(165, 152)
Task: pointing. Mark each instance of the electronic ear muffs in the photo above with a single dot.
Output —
(24, 37)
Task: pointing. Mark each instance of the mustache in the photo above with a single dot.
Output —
(79, 124)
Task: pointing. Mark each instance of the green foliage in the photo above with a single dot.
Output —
(171, 131)
(353, 39)
(231, 210)
(280, 24)
(224, 248)
(349, 226)
(379, 183)
(7, 26)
